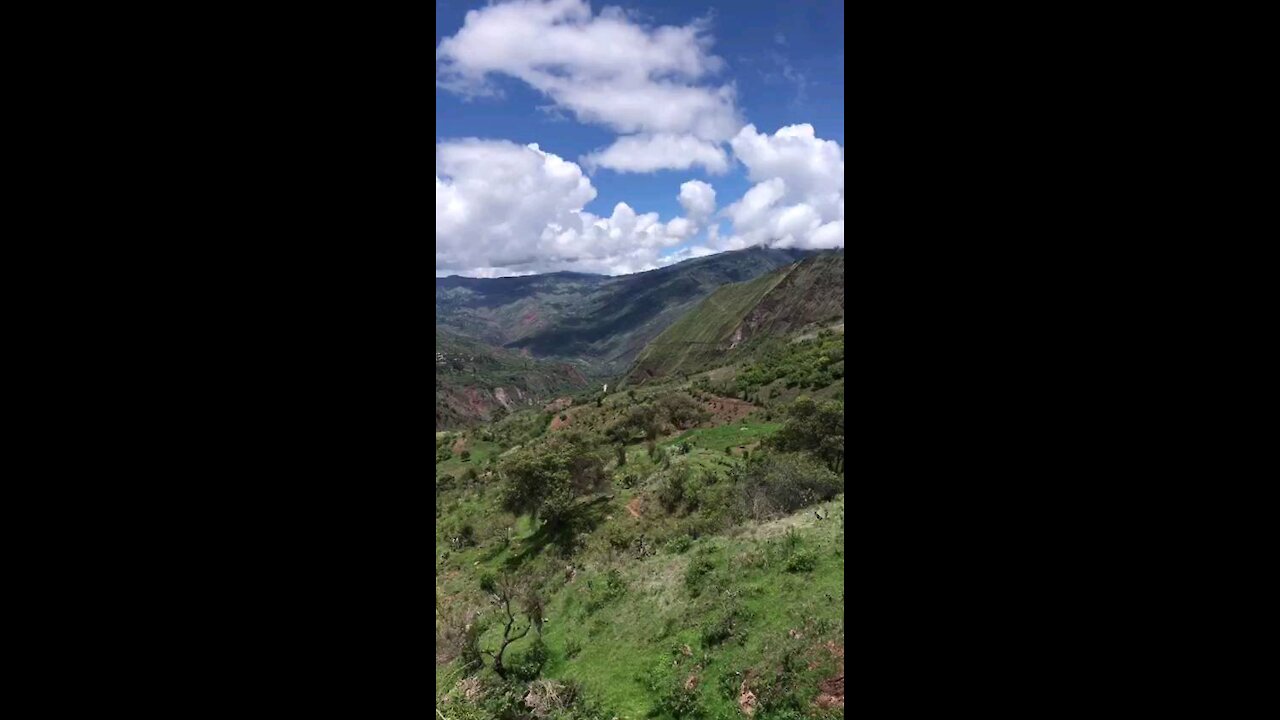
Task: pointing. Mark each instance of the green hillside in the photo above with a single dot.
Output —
(740, 321)
(671, 548)
(599, 322)
(697, 338)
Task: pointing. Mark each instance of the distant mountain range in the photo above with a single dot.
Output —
(517, 341)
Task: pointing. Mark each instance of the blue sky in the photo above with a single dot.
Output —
(779, 65)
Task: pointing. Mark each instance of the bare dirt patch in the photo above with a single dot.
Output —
(558, 404)
(557, 423)
(727, 410)
(831, 692)
(459, 445)
(633, 507)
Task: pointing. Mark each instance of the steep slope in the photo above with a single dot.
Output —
(601, 321)
(473, 380)
(738, 319)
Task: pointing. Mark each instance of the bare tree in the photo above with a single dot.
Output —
(504, 592)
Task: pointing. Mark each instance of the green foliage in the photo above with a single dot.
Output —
(727, 618)
(679, 544)
(695, 576)
(545, 479)
(466, 455)
(814, 428)
(774, 484)
(801, 561)
(602, 591)
(813, 364)
(673, 696)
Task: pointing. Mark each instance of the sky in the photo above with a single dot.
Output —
(618, 138)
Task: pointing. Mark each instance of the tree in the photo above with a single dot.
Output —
(544, 480)
(680, 411)
(815, 428)
(503, 592)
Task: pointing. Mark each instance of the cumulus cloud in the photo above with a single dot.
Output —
(605, 69)
(508, 209)
(698, 199)
(647, 153)
(798, 198)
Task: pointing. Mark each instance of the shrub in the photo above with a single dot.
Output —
(802, 561)
(466, 455)
(602, 591)
(673, 696)
(679, 544)
(696, 574)
(724, 622)
(775, 484)
(528, 665)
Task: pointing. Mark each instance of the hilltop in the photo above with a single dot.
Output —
(600, 322)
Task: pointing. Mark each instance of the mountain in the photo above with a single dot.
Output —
(473, 380)
(600, 322)
(739, 318)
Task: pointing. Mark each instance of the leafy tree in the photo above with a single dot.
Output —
(680, 411)
(544, 480)
(815, 428)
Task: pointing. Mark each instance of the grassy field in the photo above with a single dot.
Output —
(719, 438)
(480, 452)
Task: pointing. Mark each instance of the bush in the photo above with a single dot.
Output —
(602, 591)
(679, 544)
(802, 561)
(528, 665)
(673, 697)
(695, 575)
(724, 622)
(466, 455)
(775, 484)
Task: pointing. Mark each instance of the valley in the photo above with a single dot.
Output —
(671, 546)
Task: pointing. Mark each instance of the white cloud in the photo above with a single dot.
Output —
(647, 153)
(798, 199)
(605, 69)
(698, 199)
(507, 209)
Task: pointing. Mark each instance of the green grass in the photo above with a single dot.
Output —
(719, 438)
(626, 639)
(695, 339)
(480, 451)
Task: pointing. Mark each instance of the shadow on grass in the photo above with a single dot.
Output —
(562, 537)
